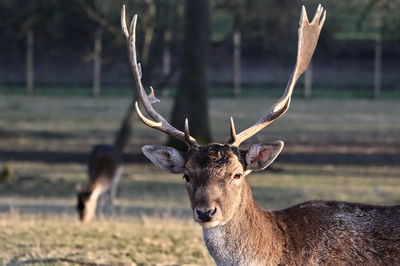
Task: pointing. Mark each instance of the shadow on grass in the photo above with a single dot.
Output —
(52, 261)
(30, 186)
(4, 133)
(59, 156)
(353, 158)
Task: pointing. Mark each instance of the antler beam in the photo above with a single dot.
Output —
(308, 38)
(157, 122)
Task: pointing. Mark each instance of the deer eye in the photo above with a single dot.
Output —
(186, 177)
(237, 176)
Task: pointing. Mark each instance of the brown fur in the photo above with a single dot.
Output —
(311, 233)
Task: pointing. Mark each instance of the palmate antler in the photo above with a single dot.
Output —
(158, 121)
(308, 38)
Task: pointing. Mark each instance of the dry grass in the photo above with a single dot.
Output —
(154, 224)
(56, 240)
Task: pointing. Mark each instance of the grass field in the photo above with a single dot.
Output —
(336, 149)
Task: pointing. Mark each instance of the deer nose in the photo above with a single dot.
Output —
(206, 215)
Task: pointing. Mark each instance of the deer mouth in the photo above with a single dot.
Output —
(209, 224)
(207, 217)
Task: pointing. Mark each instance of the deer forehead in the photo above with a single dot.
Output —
(214, 160)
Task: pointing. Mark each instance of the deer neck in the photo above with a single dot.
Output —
(96, 189)
(239, 241)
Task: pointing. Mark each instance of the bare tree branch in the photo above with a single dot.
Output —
(95, 16)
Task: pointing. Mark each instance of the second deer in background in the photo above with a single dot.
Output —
(104, 172)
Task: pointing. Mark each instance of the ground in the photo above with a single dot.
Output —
(335, 149)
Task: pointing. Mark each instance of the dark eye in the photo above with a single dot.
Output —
(186, 177)
(237, 176)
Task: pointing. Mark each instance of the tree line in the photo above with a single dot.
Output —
(174, 36)
(247, 27)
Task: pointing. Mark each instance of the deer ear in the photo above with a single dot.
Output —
(260, 155)
(166, 158)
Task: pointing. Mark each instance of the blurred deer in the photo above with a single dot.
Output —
(236, 230)
(104, 172)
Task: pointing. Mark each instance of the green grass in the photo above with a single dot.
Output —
(271, 91)
(65, 91)
(76, 123)
(38, 223)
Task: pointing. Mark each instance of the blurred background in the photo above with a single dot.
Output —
(68, 39)
(65, 86)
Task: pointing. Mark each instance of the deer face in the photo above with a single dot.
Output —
(214, 178)
(214, 175)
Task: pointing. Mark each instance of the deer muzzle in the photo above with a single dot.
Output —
(205, 215)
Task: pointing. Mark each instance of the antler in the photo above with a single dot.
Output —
(308, 38)
(157, 122)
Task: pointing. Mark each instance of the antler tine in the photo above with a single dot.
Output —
(145, 120)
(123, 22)
(188, 138)
(157, 122)
(233, 132)
(308, 38)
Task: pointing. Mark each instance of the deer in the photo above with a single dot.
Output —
(236, 230)
(104, 172)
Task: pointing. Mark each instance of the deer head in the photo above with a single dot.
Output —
(215, 174)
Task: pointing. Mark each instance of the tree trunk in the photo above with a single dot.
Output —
(166, 62)
(378, 67)
(97, 63)
(149, 29)
(167, 53)
(191, 100)
(237, 71)
(29, 61)
(308, 76)
(125, 131)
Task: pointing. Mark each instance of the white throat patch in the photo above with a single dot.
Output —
(224, 251)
